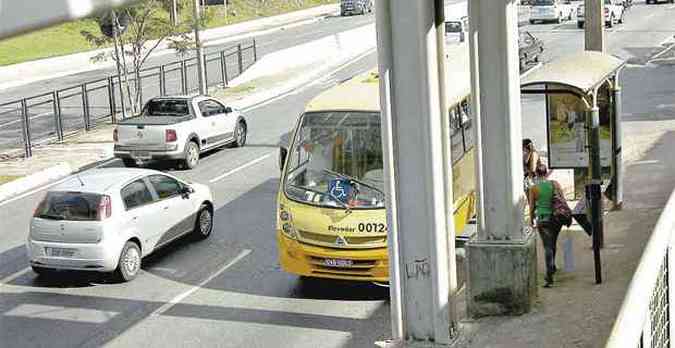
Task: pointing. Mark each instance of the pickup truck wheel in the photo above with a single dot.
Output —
(42, 271)
(129, 162)
(191, 155)
(240, 135)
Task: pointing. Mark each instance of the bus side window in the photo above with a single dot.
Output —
(467, 126)
(456, 140)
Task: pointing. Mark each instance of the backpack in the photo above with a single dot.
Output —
(562, 214)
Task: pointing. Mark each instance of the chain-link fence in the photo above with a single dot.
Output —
(51, 116)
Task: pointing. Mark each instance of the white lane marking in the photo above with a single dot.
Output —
(13, 277)
(223, 176)
(25, 194)
(68, 314)
(185, 294)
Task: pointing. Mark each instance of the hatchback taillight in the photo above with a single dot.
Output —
(115, 135)
(170, 135)
(104, 208)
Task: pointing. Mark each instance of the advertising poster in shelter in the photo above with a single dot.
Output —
(568, 131)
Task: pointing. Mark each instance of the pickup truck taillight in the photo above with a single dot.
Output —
(170, 136)
(606, 11)
(115, 135)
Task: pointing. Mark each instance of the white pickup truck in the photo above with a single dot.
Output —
(613, 13)
(178, 128)
(552, 10)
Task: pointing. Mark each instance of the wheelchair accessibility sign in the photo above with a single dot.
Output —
(341, 189)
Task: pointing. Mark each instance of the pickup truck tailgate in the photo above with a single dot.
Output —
(144, 135)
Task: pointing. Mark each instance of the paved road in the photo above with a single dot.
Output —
(41, 110)
(228, 291)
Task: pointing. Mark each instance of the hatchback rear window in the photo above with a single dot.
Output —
(72, 206)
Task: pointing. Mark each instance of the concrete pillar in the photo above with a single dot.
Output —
(413, 167)
(501, 261)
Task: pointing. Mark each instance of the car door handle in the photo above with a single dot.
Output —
(166, 208)
(135, 218)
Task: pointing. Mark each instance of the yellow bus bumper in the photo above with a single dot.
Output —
(308, 260)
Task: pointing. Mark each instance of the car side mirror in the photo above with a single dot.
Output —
(283, 153)
(186, 190)
(228, 109)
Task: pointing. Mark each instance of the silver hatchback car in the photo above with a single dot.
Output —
(108, 219)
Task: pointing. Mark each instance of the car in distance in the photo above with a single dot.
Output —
(529, 49)
(107, 220)
(613, 13)
(657, 1)
(350, 7)
(178, 129)
(551, 10)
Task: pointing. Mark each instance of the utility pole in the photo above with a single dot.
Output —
(412, 140)
(501, 259)
(201, 66)
(595, 41)
(594, 26)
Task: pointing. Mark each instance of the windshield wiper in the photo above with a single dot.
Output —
(345, 176)
(341, 203)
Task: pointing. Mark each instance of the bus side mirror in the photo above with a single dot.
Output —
(283, 152)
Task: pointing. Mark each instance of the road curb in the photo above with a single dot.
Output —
(19, 186)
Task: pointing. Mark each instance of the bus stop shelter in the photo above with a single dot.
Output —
(583, 125)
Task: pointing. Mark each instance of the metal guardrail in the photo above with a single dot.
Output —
(645, 317)
(53, 115)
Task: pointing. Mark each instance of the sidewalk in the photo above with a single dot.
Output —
(49, 68)
(576, 312)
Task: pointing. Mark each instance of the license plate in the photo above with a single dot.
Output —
(338, 263)
(140, 154)
(59, 252)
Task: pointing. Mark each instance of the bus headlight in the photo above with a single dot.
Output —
(289, 230)
(287, 224)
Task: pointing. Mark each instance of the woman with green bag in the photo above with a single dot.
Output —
(541, 198)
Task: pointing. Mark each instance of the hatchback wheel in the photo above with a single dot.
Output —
(204, 224)
(191, 155)
(129, 263)
(240, 135)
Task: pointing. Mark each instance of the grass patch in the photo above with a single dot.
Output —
(55, 41)
(66, 38)
(7, 178)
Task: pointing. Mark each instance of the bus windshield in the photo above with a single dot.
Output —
(336, 161)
